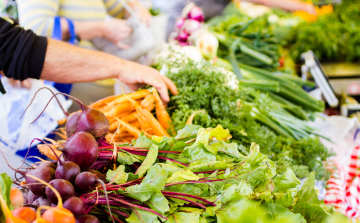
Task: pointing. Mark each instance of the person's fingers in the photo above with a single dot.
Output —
(122, 45)
(157, 82)
(172, 87)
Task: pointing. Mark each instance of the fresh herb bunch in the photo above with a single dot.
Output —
(205, 87)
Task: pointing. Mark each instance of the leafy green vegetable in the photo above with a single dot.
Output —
(5, 188)
(142, 216)
(118, 176)
(149, 160)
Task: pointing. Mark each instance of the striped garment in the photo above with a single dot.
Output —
(38, 15)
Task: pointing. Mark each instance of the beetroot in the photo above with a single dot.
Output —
(67, 171)
(64, 187)
(99, 175)
(89, 120)
(82, 149)
(42, 202)
(31, 197)
(87, 218)
(75, 205)
(47, 164)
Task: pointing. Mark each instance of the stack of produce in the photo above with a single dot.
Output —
(270, 118)
(196, 176)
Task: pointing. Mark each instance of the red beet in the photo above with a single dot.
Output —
(99, 175)
(47, 164)
(82, 149)
(67, 171)
(64, 187)
(31, 197)
(42, 202)
(75, 205)
(87, 219)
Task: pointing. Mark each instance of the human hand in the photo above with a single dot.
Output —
(136, 76)
(310, 9)
(20, 84)
(141, 12)
(117, 30)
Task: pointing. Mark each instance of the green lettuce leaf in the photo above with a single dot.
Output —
(277, 213)
(143, 142)
(312, 213)
(198, 153)
(119, 175)
(125, 158)
(227, 149)
(285, 182)
(149, 161)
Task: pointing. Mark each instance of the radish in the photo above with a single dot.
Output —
(192, 26)
(67, 171)
(44, 173)
(183, 36)
(75, 205)
(56, 214)
(82, 149)
(86, 181)
(64, 187)
(16, 198)
(197, 14)
(180, 22)
(87, 218)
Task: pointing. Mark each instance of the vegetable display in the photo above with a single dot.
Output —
(278, 126)
(196, 176)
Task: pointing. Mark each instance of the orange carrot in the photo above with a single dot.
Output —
(192, 116)
(150, 107)
(118, 109)
(103, 102)
(131, 129)
(144, 125)
(148, 100)
(135, 95)
(161, 113)
(156, 127)
(128, 118)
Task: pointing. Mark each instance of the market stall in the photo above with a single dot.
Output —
(252, 133)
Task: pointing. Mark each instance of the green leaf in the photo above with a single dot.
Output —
(149, 161)
(177, 147)
(309, 182)
(143, 142)
(158, 203)
(187, 131)
(209, 166)
(285, 182)
(125, 158)
(227, 149)
(171, 168)
(307, 195)
(141, 192)
(119, 175)
(198, 153)
(263, 191)
(277, 213)
(285, 200)
(184, 217)
(236, 192)
(182, 175)
(5, 183)
(220, 133)
(141, 216)
(156, 176)
(312, 213)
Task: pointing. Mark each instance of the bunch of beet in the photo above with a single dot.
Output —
(71, 175)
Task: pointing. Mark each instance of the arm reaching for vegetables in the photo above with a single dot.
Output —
(26, 55)
(289, 5)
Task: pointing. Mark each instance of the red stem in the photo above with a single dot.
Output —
(62, 108)
(16, 170)
(166, 193)
(188, 200)
(82, 106)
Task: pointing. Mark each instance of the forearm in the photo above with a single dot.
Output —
(86, 30)
(289, 5)
(65, 63)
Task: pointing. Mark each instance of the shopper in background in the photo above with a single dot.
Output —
(25, 55)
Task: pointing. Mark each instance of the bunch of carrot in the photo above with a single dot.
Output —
(131, 114)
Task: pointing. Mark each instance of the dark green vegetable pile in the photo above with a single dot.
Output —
(333, 37)
(204, 87)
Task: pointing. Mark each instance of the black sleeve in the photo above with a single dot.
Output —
(22, 53)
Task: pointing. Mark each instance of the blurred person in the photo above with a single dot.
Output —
(26, 55)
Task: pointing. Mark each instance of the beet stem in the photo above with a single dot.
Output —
(62, 108)
(16, 170)
(188, 200)
(166, 193)
(107, 199)
(51, 150)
